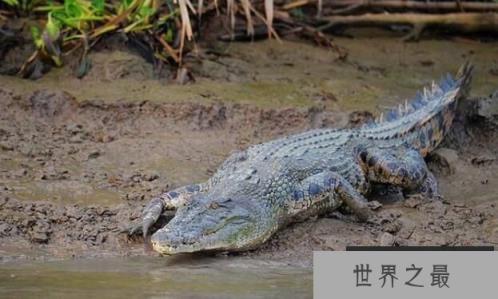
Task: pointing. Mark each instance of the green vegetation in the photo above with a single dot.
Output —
(21, 6)
(65, 26)
(162, 27)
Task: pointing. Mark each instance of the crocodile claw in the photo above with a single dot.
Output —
(132, 229)
(150, 217)
(139, 228)
(147, 223)
(145, 226)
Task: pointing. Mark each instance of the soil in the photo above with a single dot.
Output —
(79, 158)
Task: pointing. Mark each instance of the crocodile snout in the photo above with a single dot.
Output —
(171, 242)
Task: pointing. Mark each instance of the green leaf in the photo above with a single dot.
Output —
(126, 3)
(168, 36)
(98, 6)
(61, 17)
(72, 8)
(146, 11)
(52, 28)
(11, 2)
(36, 35)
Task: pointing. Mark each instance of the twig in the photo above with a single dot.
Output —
(271, 31)
(297, 4)
(168, 49)
(349, 9)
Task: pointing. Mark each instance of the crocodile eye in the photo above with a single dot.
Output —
(237, 219)
(214, 205)
(219, 204)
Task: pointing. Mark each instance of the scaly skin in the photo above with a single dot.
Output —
(258, 191)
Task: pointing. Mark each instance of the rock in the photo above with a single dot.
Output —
(392, 227)
(21, 172)
(93, 154)
(134, 196)
(74, 128)
(6, 146)
(447, 225)
(132, 177)
(374, 205)
(48, 104)
(387, 239)
(103, 137)
(39, 237)
(72, 150)
(482, 160)
(76, 139)
(151, 176)
(413, 202)
(488, 108)
(108, 138)
(445, 160)
(101, 238)
(51, 173)
(40, 232)
(4, 228)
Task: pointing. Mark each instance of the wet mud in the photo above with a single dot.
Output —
(79, 158)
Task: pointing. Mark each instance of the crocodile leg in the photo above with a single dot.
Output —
(428, 188)
(328, 189)
(167, 201)
(405, 168)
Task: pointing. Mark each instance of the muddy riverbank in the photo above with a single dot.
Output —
(80, 157)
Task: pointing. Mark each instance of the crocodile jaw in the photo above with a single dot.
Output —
(240, 237)
(166, 249)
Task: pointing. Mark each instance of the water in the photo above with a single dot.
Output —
(152, 277)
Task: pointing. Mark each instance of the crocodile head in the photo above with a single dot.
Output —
(215, 223)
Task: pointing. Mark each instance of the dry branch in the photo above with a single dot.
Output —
(348, 6)
(425, 6)
(461, 22)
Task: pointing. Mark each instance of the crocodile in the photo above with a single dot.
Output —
(256, 192)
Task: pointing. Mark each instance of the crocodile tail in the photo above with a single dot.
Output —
(423, 121)
(464, 75)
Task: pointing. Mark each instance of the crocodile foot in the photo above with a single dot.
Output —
(146, 225)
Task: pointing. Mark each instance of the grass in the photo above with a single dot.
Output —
(66, 26)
